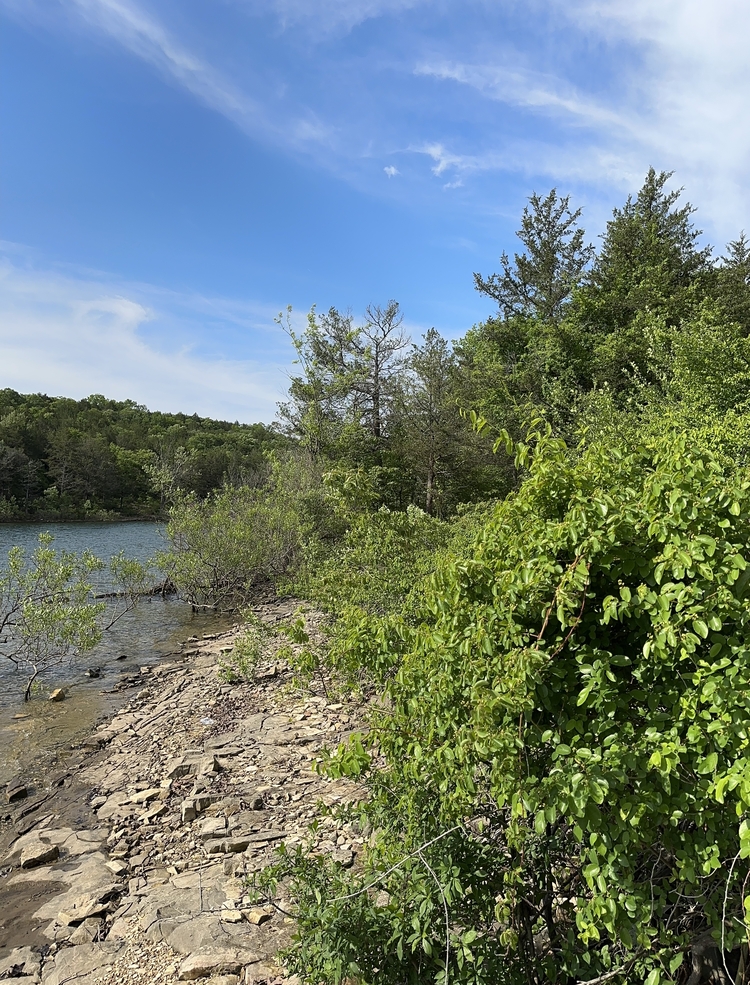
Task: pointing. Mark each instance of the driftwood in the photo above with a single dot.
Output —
(163, 588)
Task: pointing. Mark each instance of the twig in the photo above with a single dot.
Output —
(377, 879)
(606, 977)
(447, 918)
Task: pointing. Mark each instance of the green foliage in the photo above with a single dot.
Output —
(249, 646)
(49, 610)
(95, 458)
(47, 613)
(371, 583)
(237, 537)
(569, 720)
(649, 260)
(540, 283)
(383, 556)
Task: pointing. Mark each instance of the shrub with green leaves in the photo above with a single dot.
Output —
(222, 546)
(49, 611)
(371, 582)
(377, 564)
(558, 772)
(249, 646)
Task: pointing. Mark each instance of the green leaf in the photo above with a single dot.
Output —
(700, 628)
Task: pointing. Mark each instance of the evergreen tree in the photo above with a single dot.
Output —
(540, 282)
(733, 282)
(650, 259)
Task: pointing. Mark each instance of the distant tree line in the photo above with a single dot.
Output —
(73, 459)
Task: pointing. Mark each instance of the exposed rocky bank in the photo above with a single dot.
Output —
(129, 864)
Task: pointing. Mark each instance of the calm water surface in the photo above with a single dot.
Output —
(143, 637)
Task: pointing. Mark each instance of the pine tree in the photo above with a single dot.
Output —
(540, 282)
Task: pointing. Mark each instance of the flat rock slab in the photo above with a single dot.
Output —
(89, 876)
(204, 964)
(205, 932)
(82, 964)
(39, 853)
(21, 961)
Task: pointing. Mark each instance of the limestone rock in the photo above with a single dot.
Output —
(57, 695)
(213, 827)
(87, 932)
(82, 964)
(16, 790)
(209, 765)
(39, 853)
(20, 962)
(143, 796)
(204, 964)
(231, 916)
(177, 768)
(117, 868)
(257, 917)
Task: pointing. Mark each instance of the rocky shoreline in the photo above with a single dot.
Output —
(129, 864)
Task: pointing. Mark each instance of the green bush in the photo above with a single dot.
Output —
(558, 770)
(371, 581)
(249, 646)
(378, 563)
(223, 546)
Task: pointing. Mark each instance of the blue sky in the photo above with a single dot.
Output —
(174, 172)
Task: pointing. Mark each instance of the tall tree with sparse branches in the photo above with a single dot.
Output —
(540, 282)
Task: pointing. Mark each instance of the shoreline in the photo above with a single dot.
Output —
(22, 521)
(128, 865)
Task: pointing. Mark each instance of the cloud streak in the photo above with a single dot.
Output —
(677, 87)
(145, 37)
(677, 99)
(76, 335)
(337, 16)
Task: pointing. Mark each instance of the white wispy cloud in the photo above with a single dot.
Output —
(529, 90)
(76, 335)
(327, 16)
(142, 33)
(677, 87)
(391, 171)
(677, 99)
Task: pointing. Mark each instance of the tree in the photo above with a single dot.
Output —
(649, 260)
(377, 345)
(430, 420)
(541, 281)
(48, 610)
(339, 404)
(733, 282)
(316, 409)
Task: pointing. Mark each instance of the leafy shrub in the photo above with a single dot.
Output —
(381, 559)
(371, 581)
(223, 546)
(558, 770)
(49, 611)
(240, 663)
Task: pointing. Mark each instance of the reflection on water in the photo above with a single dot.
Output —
(141, 638)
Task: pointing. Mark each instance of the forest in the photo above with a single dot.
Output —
(533, 550)
(97, 459)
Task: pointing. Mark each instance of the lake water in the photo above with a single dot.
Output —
(143, 636)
